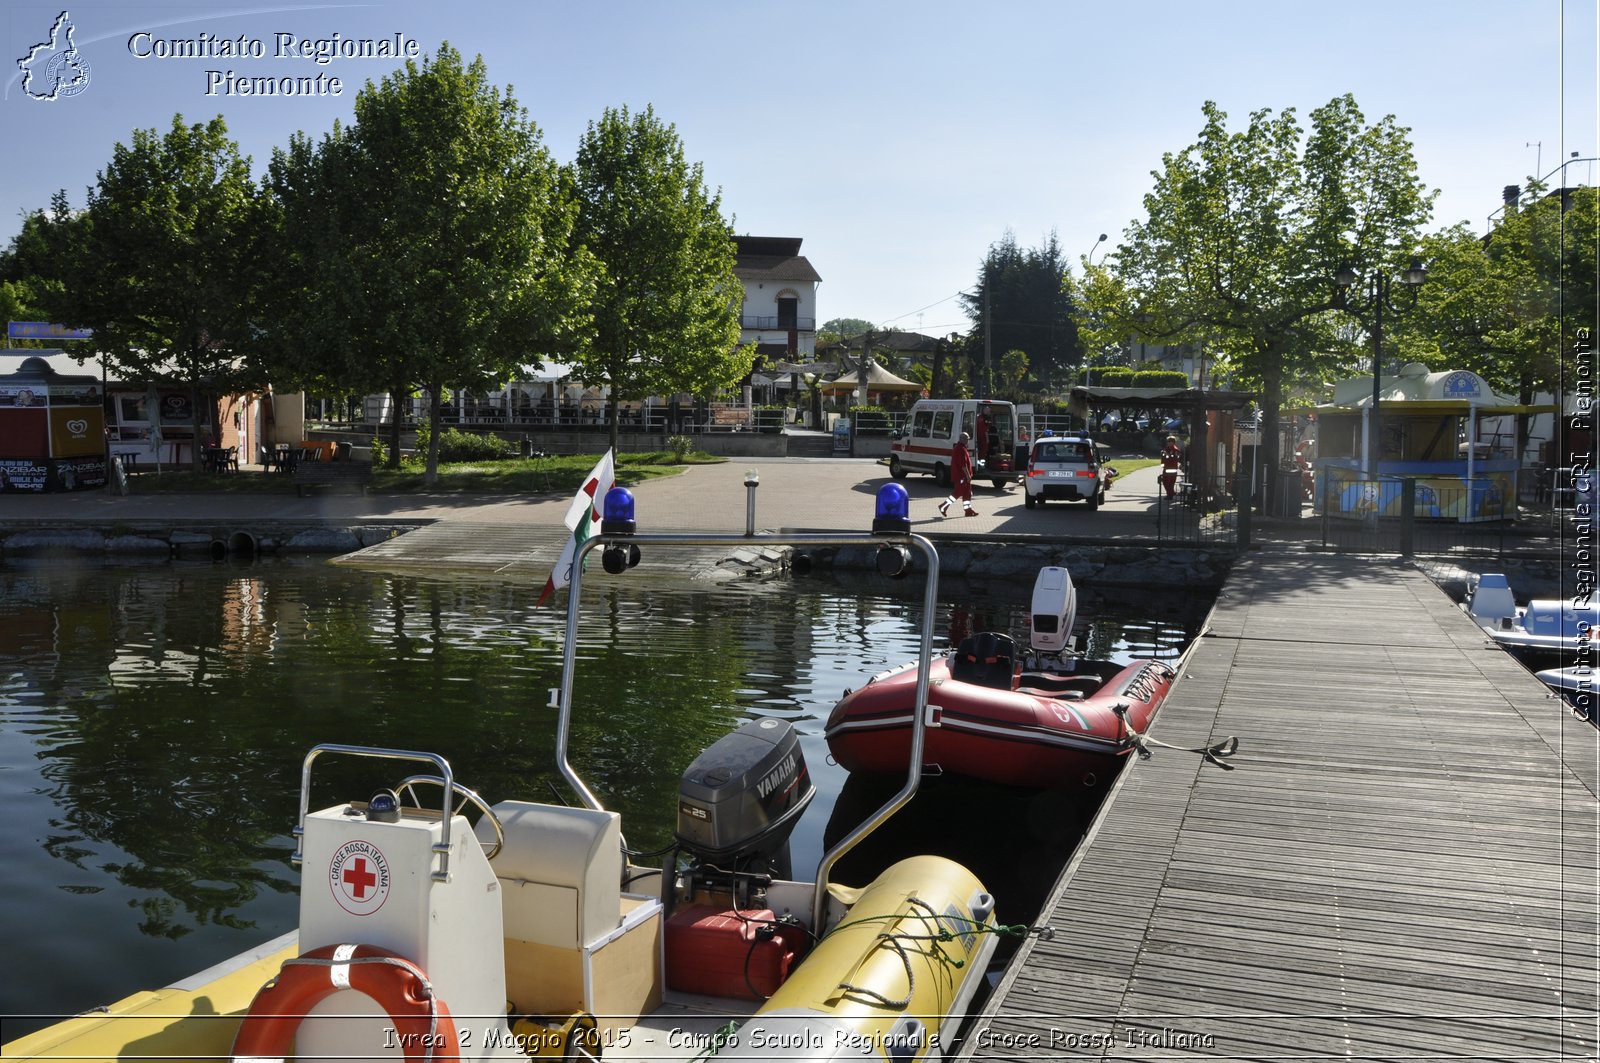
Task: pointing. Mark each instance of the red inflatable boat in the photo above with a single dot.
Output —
(1050, 720)
(1020, 734)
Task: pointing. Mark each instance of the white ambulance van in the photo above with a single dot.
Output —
(934, 425)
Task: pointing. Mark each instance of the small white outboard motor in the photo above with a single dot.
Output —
(1054, 611)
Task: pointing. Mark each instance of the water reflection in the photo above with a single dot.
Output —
(153, 721)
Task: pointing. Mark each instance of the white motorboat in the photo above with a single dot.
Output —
(1545, 627)
(1578, 686)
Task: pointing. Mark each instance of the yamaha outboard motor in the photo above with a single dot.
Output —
(739, 802)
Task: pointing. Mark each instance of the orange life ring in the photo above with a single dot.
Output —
(422, 1023)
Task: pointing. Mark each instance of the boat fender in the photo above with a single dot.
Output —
(422, 1022)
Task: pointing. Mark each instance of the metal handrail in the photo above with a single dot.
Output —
(563, 697)
(441, 847)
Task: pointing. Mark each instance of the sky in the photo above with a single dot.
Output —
(898, 140)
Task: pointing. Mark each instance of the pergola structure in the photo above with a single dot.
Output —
(1210, 415)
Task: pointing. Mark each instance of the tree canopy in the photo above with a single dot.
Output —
(1506, 305)
(162, 263)
(445, 260)
(1021, 302)
(666, 301)
(1245, 231)
(845, 328)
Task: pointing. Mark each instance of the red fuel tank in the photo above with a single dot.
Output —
(724, 952)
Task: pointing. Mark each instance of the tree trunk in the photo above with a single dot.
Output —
(396, 397)
(1200, 450)
(431, 473)
(194, 426)
(613, 405)
(1271, 400)
(1525, 395)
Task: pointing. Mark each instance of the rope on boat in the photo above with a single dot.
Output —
(1142, 742)
(897, 940)
(721, 1037)
(1211, 754)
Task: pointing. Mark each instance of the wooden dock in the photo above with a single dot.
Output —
(1402, 865)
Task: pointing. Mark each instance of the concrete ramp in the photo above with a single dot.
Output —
(468, 546)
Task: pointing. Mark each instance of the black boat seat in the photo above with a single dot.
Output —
(986, 659)
(1055, 685)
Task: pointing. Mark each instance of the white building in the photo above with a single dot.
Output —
(779, 314)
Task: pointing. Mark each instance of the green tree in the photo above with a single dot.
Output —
(1021, 302)
(666, 307)
(162, 264)
(1244, 232)
(32, 268)
(1508, 305)
(844, 328)
(441, 256)
(1013, 372)
(310, 225)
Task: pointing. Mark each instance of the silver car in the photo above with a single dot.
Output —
(1065, 469)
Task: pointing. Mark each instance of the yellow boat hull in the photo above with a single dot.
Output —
(892, 979)
(177, 1024)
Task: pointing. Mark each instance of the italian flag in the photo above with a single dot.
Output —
(583, 520)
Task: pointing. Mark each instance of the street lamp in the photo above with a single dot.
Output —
(1377, 298)
(1088, 260)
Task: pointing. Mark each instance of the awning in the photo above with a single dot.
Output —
(878, 379)
(545, 374)
(1083, 398)
(1395, 405)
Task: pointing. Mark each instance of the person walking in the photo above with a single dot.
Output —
(960, 478)
(1171, 461)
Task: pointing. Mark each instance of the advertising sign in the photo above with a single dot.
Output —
(75, 394)
(175, 408)
(77, 431)
(72, 474)
(22, 397)
(16, 475)
(45, 330)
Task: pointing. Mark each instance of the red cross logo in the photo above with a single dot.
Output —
(359, 879)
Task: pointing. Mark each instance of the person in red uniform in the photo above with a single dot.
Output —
(980, 436)
(960, 478)
(1171, 460)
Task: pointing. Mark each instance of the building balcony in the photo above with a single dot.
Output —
(775, 323)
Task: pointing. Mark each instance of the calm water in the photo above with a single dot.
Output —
(153, 721)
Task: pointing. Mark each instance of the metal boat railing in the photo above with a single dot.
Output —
(446, 780)
(563, 696)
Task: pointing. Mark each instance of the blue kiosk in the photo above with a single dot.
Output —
(1430, 436)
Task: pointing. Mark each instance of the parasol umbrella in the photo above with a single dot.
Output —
(879, 379)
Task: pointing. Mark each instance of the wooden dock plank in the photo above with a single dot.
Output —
(1404, 863)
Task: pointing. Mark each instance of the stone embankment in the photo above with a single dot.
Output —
(195, 539)
(1098, 564)
(979, 558)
